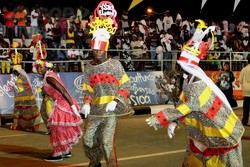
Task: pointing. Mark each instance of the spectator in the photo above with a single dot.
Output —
(79, 37)
(56, 34)
(48, 32)
(152, 41)
(34, 20)
(9, 17)
(160, 23)
(185, 34)
(166, 41)
(74, 54)
(225, 83)
(124, 22)
(70, 38)
(167, 20)
(21, 18)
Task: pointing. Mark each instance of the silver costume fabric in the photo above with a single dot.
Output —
(104, 83)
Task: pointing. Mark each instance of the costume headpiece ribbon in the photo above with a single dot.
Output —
(40, 52)
(103, 25)
(196, 48)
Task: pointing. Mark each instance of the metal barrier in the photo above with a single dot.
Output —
(214, 60)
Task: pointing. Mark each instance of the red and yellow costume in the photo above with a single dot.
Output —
(104, 83)
(26, 113)
(213, 129)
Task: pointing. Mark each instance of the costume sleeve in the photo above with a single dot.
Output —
(168, 115)
(88, 91)
(123, 92)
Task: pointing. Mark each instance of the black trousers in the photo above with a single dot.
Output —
(246, 109)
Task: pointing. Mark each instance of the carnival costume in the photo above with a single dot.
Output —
(64, 120)
(106, 89)
(213, 129)
(64, 123)
(26, 113)
(47, 102)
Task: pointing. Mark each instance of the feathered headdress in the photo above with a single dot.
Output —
(40, 52)
(16, 57)
(103, 25)
(195, 50)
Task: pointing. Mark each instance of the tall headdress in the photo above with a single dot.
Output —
(103, 25)
(40, 53)
(195, 50)
(16, 57)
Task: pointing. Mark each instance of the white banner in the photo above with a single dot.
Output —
(236, 2)
(203, 3)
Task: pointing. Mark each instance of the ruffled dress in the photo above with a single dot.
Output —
(64, 124)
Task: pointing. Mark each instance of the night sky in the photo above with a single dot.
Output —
(213, 9)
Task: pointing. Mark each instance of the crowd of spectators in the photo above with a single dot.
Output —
(153, 38)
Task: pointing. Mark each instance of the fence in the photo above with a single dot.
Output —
(213, 61)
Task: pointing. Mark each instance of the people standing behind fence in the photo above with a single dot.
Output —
(167, 20)
(152, 42)
(185, 34)
(48, 32)
(70, 37)
(56, 34)
(79, 37)
(225, 83)
(167, 41)
(125, 22)
(9, 17)
(137, 52)
(21, 18)
(74, 54)
(34, 20)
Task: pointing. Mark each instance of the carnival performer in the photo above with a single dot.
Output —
(213, 129)
(26, 113)
(39, 52)
(106, 89)
(64, 120)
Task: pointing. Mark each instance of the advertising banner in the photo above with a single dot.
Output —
(143, 89)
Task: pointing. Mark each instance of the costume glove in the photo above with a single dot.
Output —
(111, 106)
(75, 110)
(85, 109)
(171, 128)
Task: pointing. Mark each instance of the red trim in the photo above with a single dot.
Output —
(161, 118)
(214, 108)
(184, 59)
(100, 45)
(210, 151)
(124, 93)
(103, 78)
(87, 99)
